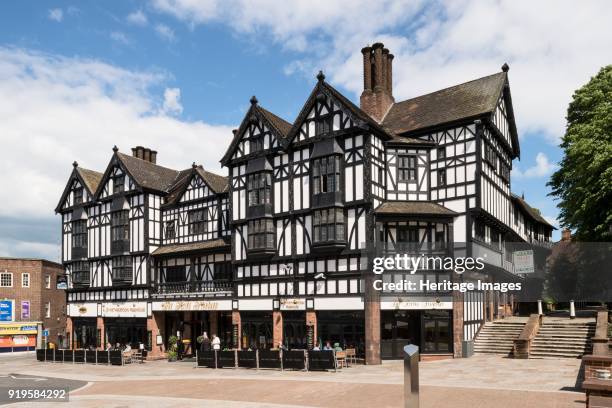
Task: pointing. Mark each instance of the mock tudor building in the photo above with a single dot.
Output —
(280, 250)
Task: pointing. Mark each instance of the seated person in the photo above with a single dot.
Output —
(337, 347)
(327, 346)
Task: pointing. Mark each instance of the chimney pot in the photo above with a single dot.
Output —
(377, 95)
(144, 153)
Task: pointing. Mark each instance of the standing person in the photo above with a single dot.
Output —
(216, 342)
(205, 345)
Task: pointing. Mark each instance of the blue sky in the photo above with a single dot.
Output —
(176, 75)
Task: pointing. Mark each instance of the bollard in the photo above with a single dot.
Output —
(411, 376)
(572, 310)
(540, 312)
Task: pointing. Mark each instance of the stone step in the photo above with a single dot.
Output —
(558, 347)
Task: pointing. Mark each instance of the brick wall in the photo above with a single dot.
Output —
(37, 293)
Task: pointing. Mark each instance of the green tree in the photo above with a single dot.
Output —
(583, 183)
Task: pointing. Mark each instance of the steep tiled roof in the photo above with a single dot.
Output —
(91, 178)
(467, 100)
(149, 175)
(282, 126)
(412, 208)
(195, 246)
(216, 182)
(530, 211)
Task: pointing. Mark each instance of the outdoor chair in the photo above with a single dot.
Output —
(341, 359)
(351, 355)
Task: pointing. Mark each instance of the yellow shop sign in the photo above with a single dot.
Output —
(18, 328)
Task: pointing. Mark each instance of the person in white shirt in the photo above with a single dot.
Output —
(216, 342)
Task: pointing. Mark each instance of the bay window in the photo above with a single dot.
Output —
(261, 234)
(328, 225)
(122, 269)
(259, 187)
(326, 174)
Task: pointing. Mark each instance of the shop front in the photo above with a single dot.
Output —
(257, 330)
(85, 333)
(189, 319)
(431, 330)
(345, 327)
(18, 336)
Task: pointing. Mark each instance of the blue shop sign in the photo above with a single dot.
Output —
(7, 310)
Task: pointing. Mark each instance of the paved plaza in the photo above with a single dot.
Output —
(480, 381)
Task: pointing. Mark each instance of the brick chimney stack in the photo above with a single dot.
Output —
(144, 153)
(377, 95)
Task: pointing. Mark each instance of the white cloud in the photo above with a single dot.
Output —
(165, 32)
(56, 15)
(553, 47)
(119, 37)
(542, 168)
(138, 18)
(172, 101)
(82, 108)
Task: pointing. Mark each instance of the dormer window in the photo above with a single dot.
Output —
(198, 221)
(78, 195)
(326, 175)
(118, 184)
(259, 188)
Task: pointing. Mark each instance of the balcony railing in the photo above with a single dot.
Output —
(194, 287)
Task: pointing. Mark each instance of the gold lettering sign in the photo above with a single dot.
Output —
(189, 305)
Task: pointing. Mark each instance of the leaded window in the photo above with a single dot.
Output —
(407, 168)
(504, 171)
(328, 225)
(170, 231)
(122, 268)
(441, 153)
(441, 177)
(257, 143)
(261, 234)
(323, 125)
(118, 184)
(408, 237)
(80, 272)
(259, 188)
(490, 155)
(120, 226)
(326, 174)
(198, 221)
(79, 234)
(78, 195)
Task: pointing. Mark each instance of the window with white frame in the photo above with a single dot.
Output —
(6, 279)
(48, 310)
(25, 280)
(48, 281)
